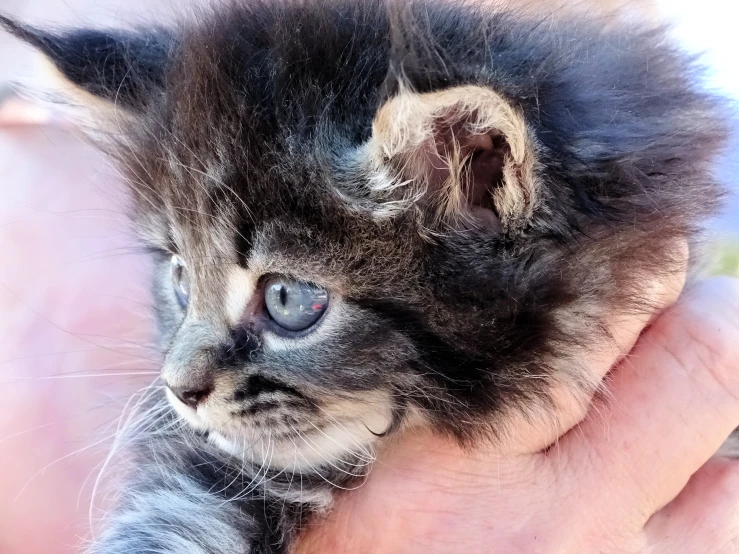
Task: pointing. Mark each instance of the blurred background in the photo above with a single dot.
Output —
(74, 304)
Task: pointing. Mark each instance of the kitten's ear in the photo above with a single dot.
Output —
(120, 70)
(464, 155)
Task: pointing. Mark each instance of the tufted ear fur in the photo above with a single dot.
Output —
(101, 71)
(463, 154)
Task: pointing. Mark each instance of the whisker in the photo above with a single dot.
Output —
(319, 474)
(112, 374)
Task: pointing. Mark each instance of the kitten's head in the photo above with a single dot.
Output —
(365, 217)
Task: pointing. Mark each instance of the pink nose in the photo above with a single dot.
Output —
(192, 395)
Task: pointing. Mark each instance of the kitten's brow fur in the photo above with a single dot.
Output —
(477, 188)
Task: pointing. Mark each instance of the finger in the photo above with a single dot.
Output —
(705, 515)
(571, 401)
(674, 401)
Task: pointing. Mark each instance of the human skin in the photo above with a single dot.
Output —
(635, 471)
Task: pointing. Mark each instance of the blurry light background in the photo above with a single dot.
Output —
(74, 306)
(708, 27)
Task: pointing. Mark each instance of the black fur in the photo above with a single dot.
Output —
(124, 67)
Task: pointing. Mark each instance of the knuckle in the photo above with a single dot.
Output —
(716, 357)
(703, 337)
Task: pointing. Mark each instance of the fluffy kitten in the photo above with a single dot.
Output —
(370, 216)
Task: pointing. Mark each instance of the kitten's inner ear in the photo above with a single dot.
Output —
(111, 69)
(463, 155)
(464, 171)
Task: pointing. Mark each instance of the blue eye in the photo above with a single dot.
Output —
(180, 280)
(294, 305)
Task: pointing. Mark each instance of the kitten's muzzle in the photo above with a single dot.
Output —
(187, 370)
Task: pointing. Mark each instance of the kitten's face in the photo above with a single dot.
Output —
(270, 346)
(310, 306)
(363, 221)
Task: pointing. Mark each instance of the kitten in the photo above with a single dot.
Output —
(371, 216)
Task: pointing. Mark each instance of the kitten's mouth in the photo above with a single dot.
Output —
(304, 442)
(262, 418)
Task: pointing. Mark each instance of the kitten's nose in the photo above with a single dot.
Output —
(192, 395)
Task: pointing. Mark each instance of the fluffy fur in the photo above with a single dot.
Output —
(476, 188)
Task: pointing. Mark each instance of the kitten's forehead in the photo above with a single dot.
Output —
(213, 201)
(232, 230)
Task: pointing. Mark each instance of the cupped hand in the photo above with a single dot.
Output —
(635, 472)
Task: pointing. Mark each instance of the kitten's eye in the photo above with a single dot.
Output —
(294, 305)
(180, 280)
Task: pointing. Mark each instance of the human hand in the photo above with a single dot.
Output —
(637, 475)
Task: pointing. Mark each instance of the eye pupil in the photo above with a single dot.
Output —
(294, 305)
(283, 296)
